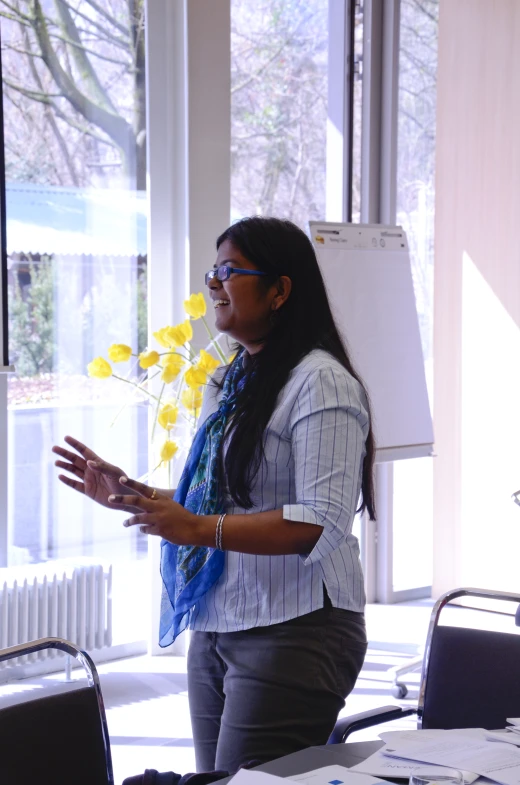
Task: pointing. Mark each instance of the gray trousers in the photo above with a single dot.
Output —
(269, 691)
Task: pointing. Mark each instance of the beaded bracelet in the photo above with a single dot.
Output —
(218, 532)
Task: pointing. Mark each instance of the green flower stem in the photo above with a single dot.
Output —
(157, 411)
(184, 356)
(150, 474)
(138, 386)
(214, 342)
(123, 407)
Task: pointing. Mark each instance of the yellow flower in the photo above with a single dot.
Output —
(207, 362)
(99, 368)
(171, 337)
(195, 306)
(172, 367)
(147, 359)
(119, 352)
(181, 333)
(192, 400)
(167, 417)
(168, 450)
(194, 377)
(231, 357)
(161, 336)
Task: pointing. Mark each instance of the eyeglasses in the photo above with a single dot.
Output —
(223, 272)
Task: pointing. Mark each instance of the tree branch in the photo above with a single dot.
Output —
(423, 10)
(43, 98)
(101, 11)
(80, 58)
(104, 35)
(51, 120)
(57, 37)
(46, 98)
(11, 48)
(18, 14)
(82, 128)
(273, 57)
(114, 126)
(14, 18)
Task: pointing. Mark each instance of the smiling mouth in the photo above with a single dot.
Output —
(219, 303)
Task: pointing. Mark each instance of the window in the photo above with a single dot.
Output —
(413, 480)
(74, 126)
(279, 108)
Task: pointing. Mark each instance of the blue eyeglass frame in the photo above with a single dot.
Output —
(223, 272)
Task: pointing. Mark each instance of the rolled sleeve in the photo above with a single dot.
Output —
(329, 426)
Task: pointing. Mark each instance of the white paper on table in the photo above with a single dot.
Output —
(335, 775)
(498, 762)
(381, 765)
(400, 738)
(503, 735)
(248, 777)
(326, 775)
(513, 720)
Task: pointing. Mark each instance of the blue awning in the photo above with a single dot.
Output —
(75, 221)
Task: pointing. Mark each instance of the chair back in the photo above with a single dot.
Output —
(471, 677)
(60, 738)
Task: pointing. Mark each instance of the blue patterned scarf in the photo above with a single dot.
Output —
(189, 571)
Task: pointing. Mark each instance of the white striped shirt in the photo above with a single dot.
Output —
(314, 447)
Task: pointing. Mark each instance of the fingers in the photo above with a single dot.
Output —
(133, 501)
(123, 508)
(144, 527)
(147, 530)
(85, 451)
(137, 520)
(138, 487)
(104, 467)
(69, 456)
(78, 486)
(69, 467)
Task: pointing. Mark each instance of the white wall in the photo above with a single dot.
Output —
(477, 296)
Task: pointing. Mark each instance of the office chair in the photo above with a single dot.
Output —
(469, 677)
(59, 739)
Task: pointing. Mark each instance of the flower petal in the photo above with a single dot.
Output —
(168, 450)
(195, 306)
(147, 359)
(207, 362)
(119, 352)
(167, 416)
(99, 368)
(195, 376)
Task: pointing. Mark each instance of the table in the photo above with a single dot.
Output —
(316, 757)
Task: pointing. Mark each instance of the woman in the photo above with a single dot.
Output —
(259, 559)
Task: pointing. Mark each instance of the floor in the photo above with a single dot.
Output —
(147, 702)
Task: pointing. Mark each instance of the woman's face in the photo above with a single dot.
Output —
(243, 304)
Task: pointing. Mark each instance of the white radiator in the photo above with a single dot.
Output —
(55, 600)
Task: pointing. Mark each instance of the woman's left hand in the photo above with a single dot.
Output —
(160, 515)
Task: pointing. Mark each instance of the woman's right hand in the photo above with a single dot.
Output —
(94, 477)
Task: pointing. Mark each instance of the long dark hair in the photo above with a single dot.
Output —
(305, 322)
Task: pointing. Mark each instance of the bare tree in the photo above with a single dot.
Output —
(279, 108)
(416, 148)
(77, 70)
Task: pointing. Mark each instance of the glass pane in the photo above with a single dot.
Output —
(76, 238)
(357, 112)
(413, 480)
(279, 108)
